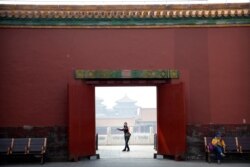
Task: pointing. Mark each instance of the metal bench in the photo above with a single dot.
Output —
(243, 144)
(5, 146)
(231, 146)
(13, 147)
(37, 146)
(19, 146)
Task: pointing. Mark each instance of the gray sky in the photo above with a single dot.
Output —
(144, 95)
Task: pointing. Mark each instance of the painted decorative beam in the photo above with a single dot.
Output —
(131, 15)
(126, 74)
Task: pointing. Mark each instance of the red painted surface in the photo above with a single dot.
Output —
(37, 64)
(81, 120)
(229, 76)
(171, 120)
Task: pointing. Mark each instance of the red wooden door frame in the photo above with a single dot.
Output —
(171, 120)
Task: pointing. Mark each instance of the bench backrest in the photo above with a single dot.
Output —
(5, 145)
(37, 145)
(244, 142)
(231, 144)
(20, 145)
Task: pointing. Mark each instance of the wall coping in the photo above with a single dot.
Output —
(124, 16)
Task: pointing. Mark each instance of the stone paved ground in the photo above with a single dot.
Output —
(129, 162)
(136, 151)
(139, 156)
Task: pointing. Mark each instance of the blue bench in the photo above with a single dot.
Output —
(23, 146)
(231, 147)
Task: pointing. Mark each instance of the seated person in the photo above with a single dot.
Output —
(219, 146)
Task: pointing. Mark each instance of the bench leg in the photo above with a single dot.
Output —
(42, 159)
(208, 157)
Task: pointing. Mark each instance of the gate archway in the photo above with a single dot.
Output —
(171, 117)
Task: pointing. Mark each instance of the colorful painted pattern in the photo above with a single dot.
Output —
(126, 74)
(132, 16)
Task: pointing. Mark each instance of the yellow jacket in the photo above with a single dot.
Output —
(218, 142)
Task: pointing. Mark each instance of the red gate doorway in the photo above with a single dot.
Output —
(171, 119)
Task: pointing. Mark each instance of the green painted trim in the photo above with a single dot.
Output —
(126, 74)
(123, 22)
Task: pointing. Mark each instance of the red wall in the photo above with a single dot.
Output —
(37, 64)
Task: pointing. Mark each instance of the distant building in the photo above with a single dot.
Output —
(101, 109)
(125, 107)
(141, 119)
(146, 119)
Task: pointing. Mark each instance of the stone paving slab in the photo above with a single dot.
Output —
(139, 156)
(129, 162)
(136, 151)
